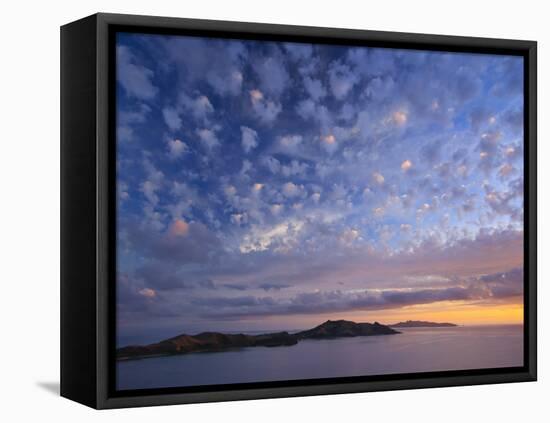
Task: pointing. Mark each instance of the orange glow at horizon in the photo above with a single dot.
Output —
(458, 312)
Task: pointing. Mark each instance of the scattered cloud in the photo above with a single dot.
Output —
(266, 110)
(171, 118)
(406, 165)
(136, 79)
(288, 179)
(249, 139)
(176, 148)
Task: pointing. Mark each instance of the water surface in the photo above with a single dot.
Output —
(413, 350)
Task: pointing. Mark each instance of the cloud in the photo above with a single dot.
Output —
(378, 178)
(316, 197)
(480, 117)
(235, 286)
(280, 237)
(276, 209)
(137, 80)
(506, 169)
(179, 228)
(315, 88)
(176, 148)
(239, 218)
(219, 63)
(273, 286)
(358, 182)
(406, 165)
(341, 79)
(272, 164)
(272, 73)
(130, 295)
(153, 183)
(266, 110)
(290, 143)
(502, 202)
(380, 88)
(334, 301)
(329, 144)
(349, 235)
(291, 190)
(127, 119)
(306, 109)
(183, 243)
(299, 51)
(200, 107)
(399, 117)
(249, 139)
(295, 167)
(171, 118)
(208, 138)
(122, 191)
(148, 292)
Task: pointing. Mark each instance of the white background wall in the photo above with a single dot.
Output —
(29, 210)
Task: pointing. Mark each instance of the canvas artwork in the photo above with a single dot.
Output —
(294, 211)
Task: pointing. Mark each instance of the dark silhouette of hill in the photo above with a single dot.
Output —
(215, 341)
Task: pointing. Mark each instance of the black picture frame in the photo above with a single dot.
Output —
(88, 195)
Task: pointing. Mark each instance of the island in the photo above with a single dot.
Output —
(421, 324)
(215, 341)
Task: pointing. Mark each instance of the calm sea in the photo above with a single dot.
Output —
(414, 350)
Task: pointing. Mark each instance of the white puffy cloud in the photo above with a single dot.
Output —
(290, 143)
(276, 209)
(272, 73)
(245, 168)
(230, 191)
(200, 106)
(281, 237)
(306, 109)
(147, 292)
(349, 236)
(249, 139)
(316, 197)
(378, 178)
(399, 117)
(341, 79)
(239, 218)
(209, 138)
(294, 168)
(137, 80)
(291, 190)
(272, 164)
(406, 165)
(219, 63)
(329, 143)
(176, 148)
(266, 110)
(171, 118)
(152, 183)
(314, 88)
(122, 191)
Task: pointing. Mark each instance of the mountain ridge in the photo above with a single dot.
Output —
(216, 341)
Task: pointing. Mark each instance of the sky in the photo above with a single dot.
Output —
(268, 185)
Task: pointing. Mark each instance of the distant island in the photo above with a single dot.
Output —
(421, 324)
(215, 341)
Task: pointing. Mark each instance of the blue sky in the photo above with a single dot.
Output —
(270, 185)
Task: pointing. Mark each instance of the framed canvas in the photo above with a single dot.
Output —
(257, 211)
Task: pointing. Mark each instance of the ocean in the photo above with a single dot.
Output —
(413, 350)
